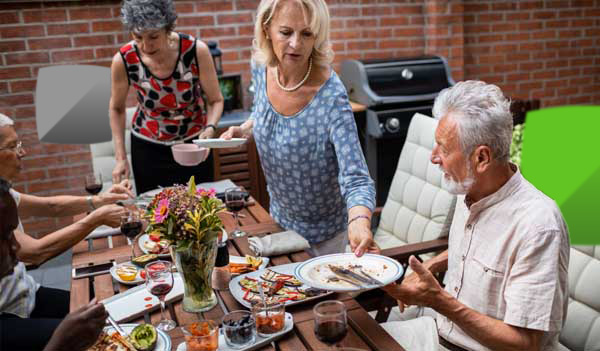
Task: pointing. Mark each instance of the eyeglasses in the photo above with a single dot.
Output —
(17, 148)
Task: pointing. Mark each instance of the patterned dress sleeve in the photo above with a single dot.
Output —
(356, 185)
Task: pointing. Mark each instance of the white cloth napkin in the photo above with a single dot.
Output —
(415, 334)
(278, 243)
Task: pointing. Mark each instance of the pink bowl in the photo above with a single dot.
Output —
(189, 154)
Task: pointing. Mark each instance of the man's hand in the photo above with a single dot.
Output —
(361, 238)
(80, 329)
(117, 192)
(419, 288)
(121, 171)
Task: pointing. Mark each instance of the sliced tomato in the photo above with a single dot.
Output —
(155, 237)
(143, 274)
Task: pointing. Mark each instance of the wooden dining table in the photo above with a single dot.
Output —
(363, 331)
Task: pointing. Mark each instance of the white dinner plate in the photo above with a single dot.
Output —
(219, 143)
(138, 279)
(163, 342)
(145, 238)
(315, 272)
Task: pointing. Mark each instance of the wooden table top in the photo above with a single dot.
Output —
(363, 331)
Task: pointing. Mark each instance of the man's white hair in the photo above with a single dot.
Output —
(482, 114)
(5, 121)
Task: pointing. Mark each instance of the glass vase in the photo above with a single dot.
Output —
(195, 265)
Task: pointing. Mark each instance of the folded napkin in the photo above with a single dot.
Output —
(278, 243)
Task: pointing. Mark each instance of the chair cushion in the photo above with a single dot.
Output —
(582, 327)
(417, 206)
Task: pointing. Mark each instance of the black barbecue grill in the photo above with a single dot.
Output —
(393, 91)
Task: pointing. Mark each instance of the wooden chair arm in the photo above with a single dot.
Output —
(402, 253)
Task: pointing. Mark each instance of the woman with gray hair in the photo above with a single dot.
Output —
(305, 131)
(170, 72)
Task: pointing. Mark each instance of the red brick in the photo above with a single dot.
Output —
(51, 43)
(556, 63)
(33, 175)
(587, 22)
(406, 10)
(544, 55)
(531, 66)
(505, 68)
(580, 100)
(569, 13)
(235, 43)
(26, 112)
(9, 17)
(73, 55)
(361, 23)
(391, 44)
(544, 14)
(14, 99)
(44, 16)
(78, 158)
(215, 7)
(22, 31)
(345, 34)
(393, 21)
(246, 5)
(530, 86)
(557, 24)
(183, 7)
(362, 45)
(37, 187)
(344, 11)
(241, 18)
(107, 26)
(491, 59)
(70, 28)
(375, 11)
(236, 67)
(517, 36)
(338, 46)
(377, 33)
(27, 58)
(68, 171)
(89, 13)
(531, 46)
(195, 21)
(246, 30)
(477, 7)
(504, 27)
(528, 26)
(554, 84)
(14, 73)
(94, 40)
(569, 34)
(208, 33)
(13, 45)
(504, 6)
(490, 38)
(547, 34)
(490, 17)
(544, 75)
(520, 56)
(475, 28)
(3, 88)
(105, 52)
(433, 31)
(416, 20)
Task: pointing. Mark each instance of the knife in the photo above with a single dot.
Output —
(350, 274)
(117, 327)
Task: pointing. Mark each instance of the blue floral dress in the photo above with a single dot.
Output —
(313, 162)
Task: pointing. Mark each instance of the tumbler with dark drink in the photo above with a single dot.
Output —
(93, 183)
(235, 200)
(330, 321)
(159, 282)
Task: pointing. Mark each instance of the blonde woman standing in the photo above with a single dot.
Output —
(305, 131)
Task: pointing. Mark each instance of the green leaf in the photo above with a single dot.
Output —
(192, 186)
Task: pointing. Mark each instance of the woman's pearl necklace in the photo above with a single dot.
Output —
(295, 87)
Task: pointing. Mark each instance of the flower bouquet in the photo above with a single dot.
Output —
(188, 218)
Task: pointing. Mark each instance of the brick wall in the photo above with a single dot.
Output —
(532, 49)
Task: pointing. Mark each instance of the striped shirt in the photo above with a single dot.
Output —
(17, 291)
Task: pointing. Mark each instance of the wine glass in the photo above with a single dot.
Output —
(93, 183)
(159, 282)
(131, 226)
(331, 324)
(235, 200)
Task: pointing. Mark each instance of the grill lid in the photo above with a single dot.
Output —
(374, 82)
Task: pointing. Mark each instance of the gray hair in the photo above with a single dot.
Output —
(140, 15)
(5, 121)
(482, 114)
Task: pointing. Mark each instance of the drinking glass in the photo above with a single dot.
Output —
(239, 329)
(201, 336)
(331, 324)
(235, 200)
(270, 318)
(93, 183)
(159, 282)
(131, 226)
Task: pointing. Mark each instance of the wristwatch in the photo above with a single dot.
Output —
(211, 126)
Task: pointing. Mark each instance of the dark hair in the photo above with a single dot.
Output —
(5, 223)
(140, 15)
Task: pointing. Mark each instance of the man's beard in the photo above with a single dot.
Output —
(457, 188)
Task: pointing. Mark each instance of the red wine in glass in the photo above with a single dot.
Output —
(93, 189)
(235, 206)
(331, 332)
(161, 290)
(131, 226)
(235, 200)
(159, 282)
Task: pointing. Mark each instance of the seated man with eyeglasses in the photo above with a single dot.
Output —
(20, 295)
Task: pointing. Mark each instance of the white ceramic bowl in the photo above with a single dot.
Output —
(189, 154)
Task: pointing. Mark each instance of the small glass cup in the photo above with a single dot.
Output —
(270, 319)
(201, 336)
(239, 329)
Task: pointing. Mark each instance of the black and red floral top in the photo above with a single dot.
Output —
(170, 108)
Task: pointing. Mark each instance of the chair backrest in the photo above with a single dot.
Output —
(103, 154)
(582, 327)
(416, 207)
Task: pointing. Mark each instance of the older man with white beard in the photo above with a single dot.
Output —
(508, 248)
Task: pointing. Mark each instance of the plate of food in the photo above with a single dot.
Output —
(241, 265)
(219, 143)
(279, 285)
(154, 243)
(128, 273)
(346, 272)
(141, 337)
